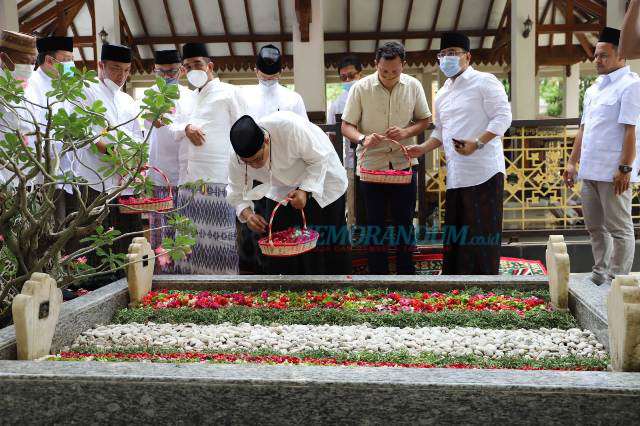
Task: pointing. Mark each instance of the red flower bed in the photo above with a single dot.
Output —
(361, 301)
(272, 359)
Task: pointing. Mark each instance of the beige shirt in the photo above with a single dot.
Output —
(373, 109)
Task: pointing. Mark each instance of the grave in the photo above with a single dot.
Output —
(201, 391)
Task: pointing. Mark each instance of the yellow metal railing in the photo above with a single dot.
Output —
(535, 196)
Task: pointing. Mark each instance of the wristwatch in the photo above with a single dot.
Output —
(625, 169)
(305, 191)
(479, 144)
(361, 139)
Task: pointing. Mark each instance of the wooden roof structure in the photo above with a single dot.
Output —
(235, 29)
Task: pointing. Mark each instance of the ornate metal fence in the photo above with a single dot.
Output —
(536, 198)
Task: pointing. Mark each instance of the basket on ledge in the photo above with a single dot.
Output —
(133, 205)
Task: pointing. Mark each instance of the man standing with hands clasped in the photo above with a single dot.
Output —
(387, 105)
(606, 148)
(472, 113)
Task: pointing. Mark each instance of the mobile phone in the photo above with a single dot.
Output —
(457, 142)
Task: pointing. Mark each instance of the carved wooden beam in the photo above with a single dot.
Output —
(303, 13)
(47, 17)
(434, 23)
(277, 37)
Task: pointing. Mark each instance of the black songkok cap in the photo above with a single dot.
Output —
(167, 57)
(246, 137)
(51, 44)
(115, 52)
(269, 60)
(194, 50)
(452, 39)
(609, 35)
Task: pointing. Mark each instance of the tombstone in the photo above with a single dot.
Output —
(623, 310)
(558, 269)
(140, 271)
(35, 315)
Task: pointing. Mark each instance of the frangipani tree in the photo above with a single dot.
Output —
(30, 152)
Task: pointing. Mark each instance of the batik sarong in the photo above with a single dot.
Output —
(215, 249)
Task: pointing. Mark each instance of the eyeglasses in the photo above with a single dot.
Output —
(449, 53)
(349, 76)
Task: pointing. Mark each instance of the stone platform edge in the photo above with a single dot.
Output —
(169, 393)
(310, 282)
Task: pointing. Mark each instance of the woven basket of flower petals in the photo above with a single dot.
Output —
(290, 242)
(133, 205)
(394, 177)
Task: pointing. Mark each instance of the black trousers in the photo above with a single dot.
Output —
(402, 201)
(250, 261)
(332, 255)
(472, 233)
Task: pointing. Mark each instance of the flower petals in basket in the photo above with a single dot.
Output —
(290, 242)
(133, 205)
(397, 177)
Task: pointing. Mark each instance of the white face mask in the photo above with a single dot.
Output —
(268, 83)
(111, 85)
(197, 78)
(22, 72)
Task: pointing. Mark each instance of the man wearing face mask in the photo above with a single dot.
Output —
(266, 97)
(164, 143)
(113, 70)
(472, 113)
(204, 155)
(296, 160)
(52, 51)
(269, 95)
(350, 71)
(383, 107)
(18, 56)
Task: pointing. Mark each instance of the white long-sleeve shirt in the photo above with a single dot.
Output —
(164, 142)
(262, 100)
(13, 117)
(39, 85)
(612, 102)
(121, 108)
(215, 108)
(337, 107)
(466, 107)
(300, 156)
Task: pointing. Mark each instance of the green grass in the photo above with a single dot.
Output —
(265, 316)
(564, 363)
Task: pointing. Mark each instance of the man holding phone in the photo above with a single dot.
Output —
(472, 112)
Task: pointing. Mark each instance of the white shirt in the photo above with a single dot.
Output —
(164, 141)
(9, 122)
(466, 107)
(39, 85)
(610, 103)
(262, 100)
(216, 106)
(301, 156)
(337, 107)
(121, 108)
